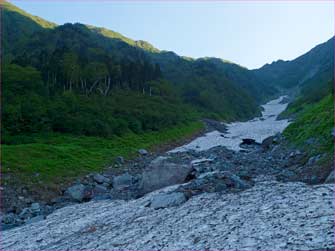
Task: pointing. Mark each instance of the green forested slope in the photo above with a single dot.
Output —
(86, 80)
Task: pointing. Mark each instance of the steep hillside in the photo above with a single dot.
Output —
(78, 96)
(313, 127)
(17, 28)
(310, 78)
(287, 74)
(211, 86)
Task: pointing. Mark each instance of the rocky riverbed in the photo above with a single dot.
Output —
(262, 196)
(259, 198)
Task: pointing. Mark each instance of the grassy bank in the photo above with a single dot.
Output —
(59, 158)
(313, 126)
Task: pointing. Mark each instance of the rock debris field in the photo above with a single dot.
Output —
(268, 216)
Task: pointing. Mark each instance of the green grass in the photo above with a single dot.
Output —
(62, 158)
(314, 121)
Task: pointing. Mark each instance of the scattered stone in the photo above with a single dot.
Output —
(200, 161)
(216, 181)
(8, 218)
(106, 184)
(167, 200)
(100, 179)
(295, 154)
(99, 189)
(143, 152)
(25, 213)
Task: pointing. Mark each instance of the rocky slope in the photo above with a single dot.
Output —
(270, 215)
(214, 199)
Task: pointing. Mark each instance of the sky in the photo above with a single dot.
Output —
(249, 33)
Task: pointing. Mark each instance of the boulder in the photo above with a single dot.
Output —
(100, 178)
(77, 192)
(296, 158)
(266, 143)
(35, 207)
(143, 152)
(167, 200)
(25, 213)
(123, 181)
(99, 189)
(216, 181)
(295, 154)
(161, 174)
(285, 100)
(248, 141)
(8, 218)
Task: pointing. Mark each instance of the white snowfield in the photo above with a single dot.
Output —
(258, 129)
(268, 216)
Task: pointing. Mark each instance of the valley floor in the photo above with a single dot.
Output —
(248, 200)
(266, 196)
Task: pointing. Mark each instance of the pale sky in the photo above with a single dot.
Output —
(250, 33)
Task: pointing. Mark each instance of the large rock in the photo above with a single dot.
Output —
(248, 142)
(77, 192)
(266, 143)
(167, 200)
(35, 207)
(99, 189)
(123, 181)
(162, 173)
(8, 218)
(296, 158)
